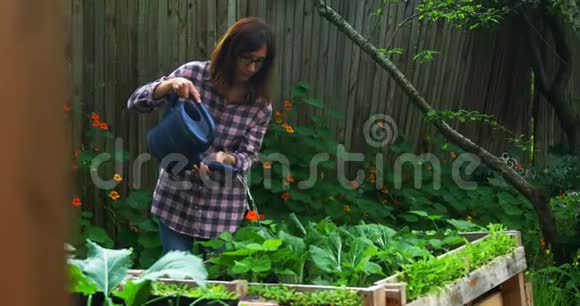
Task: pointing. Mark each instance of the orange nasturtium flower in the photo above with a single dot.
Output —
(114, 195)
(290, 130)
(266, 165)
(285, 126)
(95, 117)
(346, 208)
(287, 105)
(96, 123)
(252, 215)
(285, 196)
(277, 114)
(261, 217)
(76, 202)
(117, 177)
(278, 120)
(104, 126)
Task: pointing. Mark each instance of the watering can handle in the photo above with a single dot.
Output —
(174, 102)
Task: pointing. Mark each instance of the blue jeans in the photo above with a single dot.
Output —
(174, 241)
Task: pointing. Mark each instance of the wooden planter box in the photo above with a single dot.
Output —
(499, 283)
(372, 296)
(503, 276)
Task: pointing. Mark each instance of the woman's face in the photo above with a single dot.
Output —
(250, 63)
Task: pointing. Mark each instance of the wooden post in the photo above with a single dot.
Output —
(395, 294)
(513, 291)
(36, 167)
(529, 294)
(374, 296)
(240, 287)
(492, 300)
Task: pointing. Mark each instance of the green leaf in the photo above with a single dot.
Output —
(261, 264)
(373, 268)
(436, 243)
(327, 257)
(272, 244)
(79, 283)
(105, 267)
(135, 293)
(462, 225)
(177, 265)
(419, 213)
(295, 244)
(148, 256)
(213, 244)
(149, 240)
(299, 90)
(314, 102)
(98, 235)
(85, 157)
(241, 267)
(139, 199)
(254, 246)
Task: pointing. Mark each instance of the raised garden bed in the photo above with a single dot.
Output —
(503, 276)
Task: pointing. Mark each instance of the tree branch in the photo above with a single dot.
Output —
(539, 201)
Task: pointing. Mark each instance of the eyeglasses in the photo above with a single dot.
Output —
(248, 60)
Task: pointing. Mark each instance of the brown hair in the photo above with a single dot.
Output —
(246, 35)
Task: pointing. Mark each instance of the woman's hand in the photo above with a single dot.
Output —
(181, 86)
(219, 156)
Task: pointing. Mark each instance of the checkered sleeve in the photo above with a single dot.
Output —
(247, 153)
(142, 98)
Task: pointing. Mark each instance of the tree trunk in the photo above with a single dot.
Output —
(554, 90)
(539, 201)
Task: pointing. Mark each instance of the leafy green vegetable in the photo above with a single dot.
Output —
(106, 268)
(429, 275)
(79, 283)
(286, 296)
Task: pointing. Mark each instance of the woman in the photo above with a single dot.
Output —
(234, 86)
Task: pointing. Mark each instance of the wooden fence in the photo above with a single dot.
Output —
(116, 45)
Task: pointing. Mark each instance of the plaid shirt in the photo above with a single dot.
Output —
(205, 206)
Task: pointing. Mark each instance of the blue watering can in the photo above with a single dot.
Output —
(187, 129)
